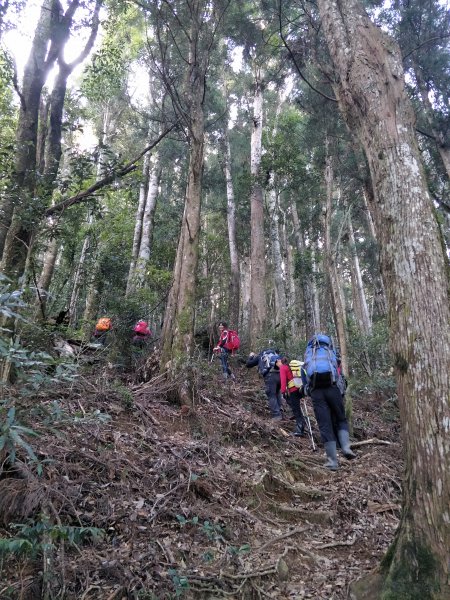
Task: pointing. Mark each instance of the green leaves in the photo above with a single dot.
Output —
(12, 436)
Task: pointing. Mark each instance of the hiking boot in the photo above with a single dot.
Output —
(277, 418)
(232, 377)
(332, 462)
(300, 428)
(344, 441)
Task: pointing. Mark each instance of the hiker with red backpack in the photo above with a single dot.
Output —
(321, 377)
(103, 326)
(227, 344)
(141, 334)
(292, 390)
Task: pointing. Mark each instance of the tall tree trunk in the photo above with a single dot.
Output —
(257, 253)
(278, 262)
(78, 279)
(306, 275)
(372, 98)
(379, 291)
(148, 218)
(292, 305)
(332, 272)
(234, 293)
(45, 278)
(143, 187)
(361, 309)
(245, 294)
(178, 330)
(22, 192)
(23, 226)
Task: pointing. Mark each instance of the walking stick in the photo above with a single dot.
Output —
(309, 424)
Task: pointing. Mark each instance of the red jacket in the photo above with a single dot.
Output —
(285, 377)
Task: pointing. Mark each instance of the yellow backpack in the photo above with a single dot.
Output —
(296, 368)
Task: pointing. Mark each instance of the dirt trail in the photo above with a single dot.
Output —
(218, 503)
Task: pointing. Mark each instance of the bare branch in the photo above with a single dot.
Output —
(83, 196)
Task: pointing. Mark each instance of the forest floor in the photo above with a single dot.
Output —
(216, 502)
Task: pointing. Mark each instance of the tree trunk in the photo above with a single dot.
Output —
(178, 331)
(379, 291)
(234, 292)
(312, 324)
(293, 305)
(138, 224)
(280, 290)
(332, 272)
(257, 253)
(147, 223)
(373, 101)
(22, 192)
(28, 212)
(360, 302)
(78, 279)
(45, 278)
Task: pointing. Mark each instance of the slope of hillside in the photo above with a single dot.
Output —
(138, 499)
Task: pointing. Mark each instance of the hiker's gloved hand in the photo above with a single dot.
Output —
(251, 355)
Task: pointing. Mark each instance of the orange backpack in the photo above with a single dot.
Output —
(103, 324)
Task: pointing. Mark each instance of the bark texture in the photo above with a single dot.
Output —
(372, 98)
(234, 294)
(258, 310)
(332, 271)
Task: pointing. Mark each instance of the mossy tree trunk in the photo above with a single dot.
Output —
(371, 93)
(177, 337)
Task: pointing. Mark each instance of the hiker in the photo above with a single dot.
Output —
(268, 369)
(292, 390)
(101, 330)
(141, 334)
(227, 344)
(320, 377)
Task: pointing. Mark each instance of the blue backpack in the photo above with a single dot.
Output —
(267, 360)
(320, 362)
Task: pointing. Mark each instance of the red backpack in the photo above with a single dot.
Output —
(233, 341)
(142, 328)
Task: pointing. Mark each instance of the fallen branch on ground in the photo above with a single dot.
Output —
(282, 537)
(372, 441)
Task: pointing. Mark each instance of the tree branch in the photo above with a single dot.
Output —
(291, 54)
(83, 196)
(433, 39)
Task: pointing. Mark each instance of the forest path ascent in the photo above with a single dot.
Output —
(216, 503)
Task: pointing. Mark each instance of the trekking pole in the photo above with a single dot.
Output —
(309, 425)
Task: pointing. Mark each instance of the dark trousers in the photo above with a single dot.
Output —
(294, 402)
(224, 354)
(272, 388)
(330, 412)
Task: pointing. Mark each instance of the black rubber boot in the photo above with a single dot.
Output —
(332, 462)
(300, 428)
(344, 440)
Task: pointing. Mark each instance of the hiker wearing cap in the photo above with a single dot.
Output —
(227, 344)
(320, 376)
(292, 389)
(266, 361)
